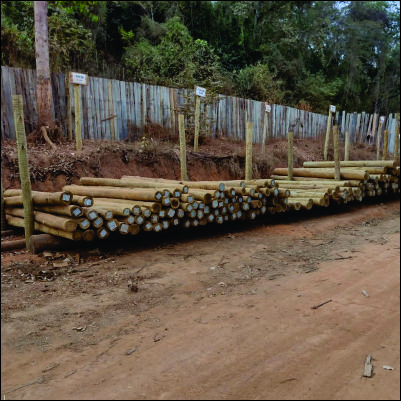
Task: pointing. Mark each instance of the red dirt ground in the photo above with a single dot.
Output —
(221, 312)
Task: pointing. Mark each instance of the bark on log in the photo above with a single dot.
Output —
(11, 245)
(323, 173)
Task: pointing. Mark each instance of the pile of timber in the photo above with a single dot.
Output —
(131, 205)
(358, 180)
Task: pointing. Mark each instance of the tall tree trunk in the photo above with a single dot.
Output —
(45, 116)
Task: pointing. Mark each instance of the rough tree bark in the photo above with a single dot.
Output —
(43, 85)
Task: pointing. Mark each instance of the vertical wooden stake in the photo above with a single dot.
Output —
(23, 164)
(197, 112)
(290, 155)
(183, 148)
(336, 141)
(347, 146)
(78, 133)
(379, 138)
(69, 116)
(3, 210)
(248, 160)
(385, 145)
(326, 143)
(111, 110)
(264, 134)
(396, 137)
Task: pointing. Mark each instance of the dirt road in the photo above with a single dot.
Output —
(220, 314)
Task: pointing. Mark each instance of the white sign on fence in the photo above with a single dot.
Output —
(200, 91)
(333, 109)
(268, 108)
(78, 78)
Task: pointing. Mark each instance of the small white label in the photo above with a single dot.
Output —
(112, 225)
(200, 91)
(78, 78)
(76, 212)
(333, 109)
(382, 119)
(268, 108)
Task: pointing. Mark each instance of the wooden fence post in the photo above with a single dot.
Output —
(265, 127)
(183, 148)
(290, 155)
(197, 114)
(23, 168)
(172, 110)
(336, 141)
(385, 145)
(248, 159)
(326, 143)
(111, 110)
(78, 133)
(347, 146)
(396, 136)
(68, 100)
(379, 137)
(3, 208)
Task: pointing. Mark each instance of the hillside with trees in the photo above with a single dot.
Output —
(302, 54)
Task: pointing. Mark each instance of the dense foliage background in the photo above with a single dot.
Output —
(307, 54)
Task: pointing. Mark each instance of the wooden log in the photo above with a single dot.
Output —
(352, 163)
(19, 222)
(48, 219)
(319, 201)
(88, 235)
(13, 197)
(155, 207)
(3, 206)
(197, 113)
(86, 201)
(323, 173)
(14, 244)
(123, 228)
(68, 210)
(90, 213)
(78, 131)
(107, 208)
(396, 137)
(43, 242)
(115, 193)
(98, 222)
(134, 229)
(102, 233)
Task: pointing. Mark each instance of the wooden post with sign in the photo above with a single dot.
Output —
(199, 92)
(78, 79)
(183, 147)
(379, 137)
(265, 128)
(347, 146)
(23, 164)
(332, 109)
(248, 159)
(396, 136)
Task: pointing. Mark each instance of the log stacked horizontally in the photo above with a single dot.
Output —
(100, 207)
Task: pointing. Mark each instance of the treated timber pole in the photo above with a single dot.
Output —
(78, 133)
(248, 160)
(336, 141)
(290, 155)
(23, 168)
(385, 145)
(197, 113)
(183, 147)
(3, 213)
(347, 146)
(396, 137)
(265, 128)
(326, 143)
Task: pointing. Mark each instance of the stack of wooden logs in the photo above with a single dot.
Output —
(133, 204)
(359, 179)
(99, 206)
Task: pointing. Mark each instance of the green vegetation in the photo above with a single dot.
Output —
(300, 53)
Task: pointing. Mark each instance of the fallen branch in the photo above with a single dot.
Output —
(321, 304)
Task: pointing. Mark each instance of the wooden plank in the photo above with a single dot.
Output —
(90, 116)
(106, 104)
(124, 112)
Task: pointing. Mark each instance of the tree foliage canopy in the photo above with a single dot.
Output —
(314, 53)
